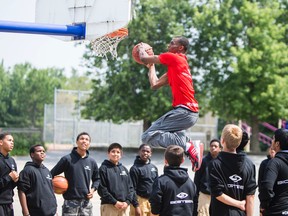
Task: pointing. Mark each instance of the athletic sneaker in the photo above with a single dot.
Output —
(195, 154)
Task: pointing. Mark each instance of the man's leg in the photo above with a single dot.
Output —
(169, 129)
(71, 207)
(145, 206)
(203, 204)
(132, 210)
(108, 210)
(86, 208)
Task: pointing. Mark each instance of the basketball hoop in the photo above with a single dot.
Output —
(108, 43)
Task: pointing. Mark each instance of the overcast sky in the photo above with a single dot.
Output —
(39, 50)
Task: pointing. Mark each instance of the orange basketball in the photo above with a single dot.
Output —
(60, 184)
(135, 52)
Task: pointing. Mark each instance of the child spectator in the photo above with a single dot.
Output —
(143, 173)
(81, 171)
(232, 178)
(174, 193)
(116, 188)
(201, 179)
(273, 192)
(8, 174)
(35, 188)
(263, 165)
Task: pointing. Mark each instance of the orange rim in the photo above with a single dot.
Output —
(122, 32)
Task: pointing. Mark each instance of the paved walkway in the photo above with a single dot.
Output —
(53, 156)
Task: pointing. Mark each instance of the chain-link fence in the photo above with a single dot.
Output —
(63, 122)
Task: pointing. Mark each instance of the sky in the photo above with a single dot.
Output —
(40, 50)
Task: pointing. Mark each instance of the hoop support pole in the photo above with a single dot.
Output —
(77, 30)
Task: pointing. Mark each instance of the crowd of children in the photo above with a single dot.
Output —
(224, 185)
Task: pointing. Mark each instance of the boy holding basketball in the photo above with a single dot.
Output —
(116, 188)
(81, 171)
(8, 175)
(35, 188)
(170, 127)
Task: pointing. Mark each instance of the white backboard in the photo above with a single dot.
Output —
(100, 16)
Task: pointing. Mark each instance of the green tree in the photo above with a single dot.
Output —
(23, 92)
(241, 52)
(77, 82)
(26, 90)
(4, 94)
(121, 89)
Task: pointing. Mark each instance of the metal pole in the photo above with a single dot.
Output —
(55, 117)
(77, 31)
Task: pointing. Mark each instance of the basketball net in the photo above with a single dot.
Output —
(108, 43)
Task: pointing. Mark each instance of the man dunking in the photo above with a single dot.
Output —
(169, 129)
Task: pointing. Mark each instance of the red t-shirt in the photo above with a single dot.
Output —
(180, 80)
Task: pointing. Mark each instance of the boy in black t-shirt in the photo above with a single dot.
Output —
(232, 178)
(8, 174)
(143, 174)
(81, 171)
(273, 190)
(201, 178)
(35, 186)
(174, 193)
(116, 188)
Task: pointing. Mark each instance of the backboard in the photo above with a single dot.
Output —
(100, 17)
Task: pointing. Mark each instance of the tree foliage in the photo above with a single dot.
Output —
(24, 91)
(241, 52)
(4, 93)
(121, 89)
(76, 81)
(239, 61)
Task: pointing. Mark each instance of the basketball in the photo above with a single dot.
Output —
(60, 184)
(135, 52)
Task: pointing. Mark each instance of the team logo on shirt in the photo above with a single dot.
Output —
(182, 195)
(13, 167)
(87, 168)
(282, 182)
(123, 173)
(48, 177)
(235, 178)
(153, 169)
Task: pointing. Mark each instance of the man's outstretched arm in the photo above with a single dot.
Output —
(156, 82)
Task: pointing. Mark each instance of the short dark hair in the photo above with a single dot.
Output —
(32, 148)
(215, 140)
(142, 145)
(183, 41)
(174, 155)
(3, 135)
(244, 141)
(82, 133)
(113, 146)
(281, 136)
